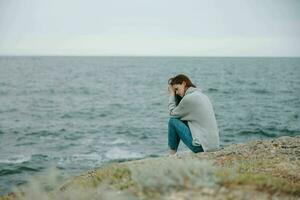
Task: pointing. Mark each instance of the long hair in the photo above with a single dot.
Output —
(179, 80)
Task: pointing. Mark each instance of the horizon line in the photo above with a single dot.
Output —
(94, 55)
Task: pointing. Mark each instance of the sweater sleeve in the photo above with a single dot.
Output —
(181, 110)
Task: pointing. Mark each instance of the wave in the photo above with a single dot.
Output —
(16, 159)
(288, 132)
(119, 141)
(9, 110)
(270, 132)
(212, 90)
(17, 170)
(43, 133)
(119, 154)
(257, 132)
(25, 144)
(79, 161)
(260, 91)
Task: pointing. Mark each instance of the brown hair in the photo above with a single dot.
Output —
(179, 79)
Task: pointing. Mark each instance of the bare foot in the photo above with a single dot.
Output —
(172, 152)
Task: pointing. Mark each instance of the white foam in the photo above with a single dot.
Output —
(79, 160)
(119, 141)
(117, 153)
(16, 159)
(93, 156)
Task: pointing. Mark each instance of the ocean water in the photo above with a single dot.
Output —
(79, 113)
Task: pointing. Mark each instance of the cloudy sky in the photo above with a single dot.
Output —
(150, 27)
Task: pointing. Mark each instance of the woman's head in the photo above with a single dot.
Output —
(180, 84)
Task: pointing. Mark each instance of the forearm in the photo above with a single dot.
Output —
(172, 104)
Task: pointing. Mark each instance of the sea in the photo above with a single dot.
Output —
(79, 113)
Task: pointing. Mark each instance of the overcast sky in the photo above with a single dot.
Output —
(150, 27)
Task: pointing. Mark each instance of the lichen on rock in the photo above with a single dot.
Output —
(262, 169)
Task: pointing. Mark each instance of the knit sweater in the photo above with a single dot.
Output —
(196, 108)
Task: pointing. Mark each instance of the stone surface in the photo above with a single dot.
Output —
(264, 169)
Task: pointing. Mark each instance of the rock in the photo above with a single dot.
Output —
(265, 169)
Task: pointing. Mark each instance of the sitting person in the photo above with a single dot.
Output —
(192, 118)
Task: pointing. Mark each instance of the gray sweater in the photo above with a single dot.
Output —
(195, 107)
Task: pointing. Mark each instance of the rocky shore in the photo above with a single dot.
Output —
(264, 169)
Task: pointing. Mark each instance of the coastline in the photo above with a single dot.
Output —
(261, 169)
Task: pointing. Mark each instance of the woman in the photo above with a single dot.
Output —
(192, 117)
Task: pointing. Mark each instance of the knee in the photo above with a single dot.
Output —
(173, 121)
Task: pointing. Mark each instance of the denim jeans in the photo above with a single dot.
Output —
(179, 130)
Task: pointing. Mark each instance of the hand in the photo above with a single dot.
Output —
(171, 90)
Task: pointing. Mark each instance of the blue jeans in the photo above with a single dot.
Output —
(179, 130)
